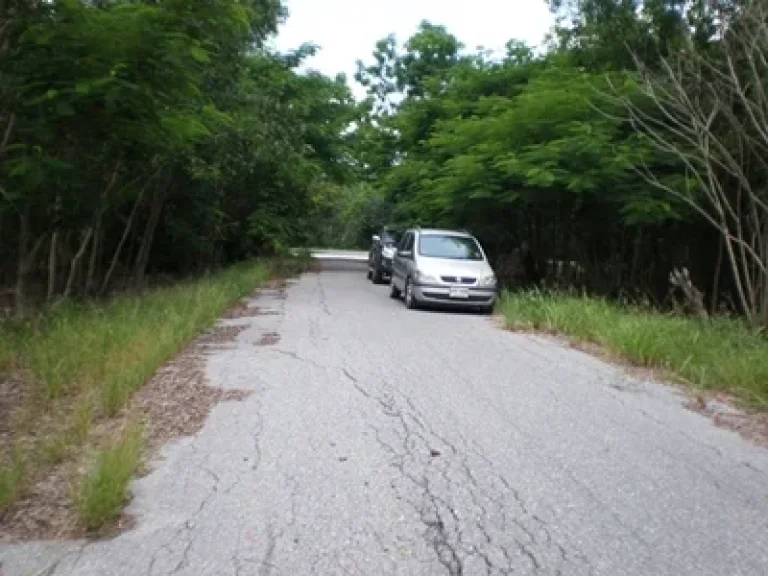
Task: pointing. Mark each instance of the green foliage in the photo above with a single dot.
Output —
(169, 116)
(347, 216)
(532, 149)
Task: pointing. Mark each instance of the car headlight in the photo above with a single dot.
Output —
(489, 280)
(388, 252)
(423, 278)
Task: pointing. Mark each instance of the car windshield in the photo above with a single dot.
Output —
(447, 246)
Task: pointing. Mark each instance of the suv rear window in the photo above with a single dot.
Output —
(451, 247)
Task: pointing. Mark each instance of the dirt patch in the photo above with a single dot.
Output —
(174, 402)
(720, 409)
(178, 399)
(245, 309)
(45, 511)
(279, 284)
(46, 507)
(217, 336)
(14, 393)
(240, 310)
(268, 339)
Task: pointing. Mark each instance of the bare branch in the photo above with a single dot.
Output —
(709, 111)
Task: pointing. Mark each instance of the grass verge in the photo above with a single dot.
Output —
(104, 489)
(720, 354)
(78, 365)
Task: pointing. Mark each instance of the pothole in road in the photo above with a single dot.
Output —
(268, 339)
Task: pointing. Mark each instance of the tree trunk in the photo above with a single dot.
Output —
(21, 269)
(94, 258)
(119, 249)
(25, 260)
(716, 278)
(637, 251)
(52, 265)
(76, 261)
(764, 274)
(740, 291)
(155, 211)
(8, 131)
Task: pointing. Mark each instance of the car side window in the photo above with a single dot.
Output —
(403, 242)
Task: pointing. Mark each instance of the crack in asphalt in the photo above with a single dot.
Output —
(437, 471)
(54, 566)
(188, 526)
(322, 297)
(297, 357)
(429, 489)
(267, 563)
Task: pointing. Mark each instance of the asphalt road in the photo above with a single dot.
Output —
(383, 441)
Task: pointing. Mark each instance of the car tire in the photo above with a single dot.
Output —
(486, 310)
(394, 293)
(369, 275)
(410, 299)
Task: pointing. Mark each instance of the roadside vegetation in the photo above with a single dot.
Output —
(104, 489)
(142, 143)
(74, 368)
(147, 141)
(626, 158)
(718, 355)
(142, 146)
(625, 161)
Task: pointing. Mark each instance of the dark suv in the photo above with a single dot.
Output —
(381, 253)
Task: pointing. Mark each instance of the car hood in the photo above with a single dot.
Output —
(448, 267)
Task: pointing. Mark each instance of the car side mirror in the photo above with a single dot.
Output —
(404, 253)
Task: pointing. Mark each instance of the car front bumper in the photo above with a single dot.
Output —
(439, 295)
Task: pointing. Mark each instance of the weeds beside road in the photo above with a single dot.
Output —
(720, 354)
(66, 372)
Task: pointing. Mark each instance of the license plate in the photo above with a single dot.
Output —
(456, 292)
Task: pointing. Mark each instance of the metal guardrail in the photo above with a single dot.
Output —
(340, 255)
(336, 255)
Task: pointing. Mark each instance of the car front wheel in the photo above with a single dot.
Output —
(410, 299)
(394, 293)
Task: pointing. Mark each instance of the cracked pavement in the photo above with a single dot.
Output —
(378, 440)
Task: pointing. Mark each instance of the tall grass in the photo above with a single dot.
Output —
(102, 491)
(116, 346)
(83, 361)
(720, 354)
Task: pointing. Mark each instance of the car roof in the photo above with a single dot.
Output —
(443, 231)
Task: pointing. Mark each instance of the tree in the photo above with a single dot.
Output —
(516, 149)
(708, 108)
(147, 138)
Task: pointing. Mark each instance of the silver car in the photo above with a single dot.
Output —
(442, 267)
